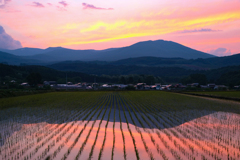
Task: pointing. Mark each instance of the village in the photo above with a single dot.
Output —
(138, 86)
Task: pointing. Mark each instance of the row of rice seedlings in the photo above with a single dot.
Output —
(31, 131)
(99, 126)
(160, 151)
(173, 152)
(229, 143)
(29, 144)
(133, 139)
(225, 141)
(114, 128)
(48, 140)
(123, 137)
(106, 126)
(207, 147)
(86, 139)
(8, 127)
(55, 134)
(96, 109)
(13, 149)
(207, 152)
(87, 113)
(138, 130)
(88, 108)
(178, 146)
(40, 139)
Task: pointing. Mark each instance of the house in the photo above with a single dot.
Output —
(154, 87)
(13, 81)
(195, 84)
(236, 87)
(211, 85)
(49, 83)
(69, 83)
(203, 86)
(95, 85)
(166, 87)
(147, 87)
(106, 86)
(141, 86)
(158, 86)
(25, 84)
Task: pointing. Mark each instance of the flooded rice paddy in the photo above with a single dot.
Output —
(116, 128)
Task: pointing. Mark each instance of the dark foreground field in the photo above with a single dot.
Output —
(118, 125)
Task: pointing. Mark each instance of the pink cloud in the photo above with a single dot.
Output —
(61, 8)
(220, 52)
(3, 3)
(199, 30)
(37, 4)
(64, 3)
(90, 6)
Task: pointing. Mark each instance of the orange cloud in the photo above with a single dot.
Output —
(121, 29)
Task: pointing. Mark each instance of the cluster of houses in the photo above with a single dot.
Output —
(208, 86)
(139, 86)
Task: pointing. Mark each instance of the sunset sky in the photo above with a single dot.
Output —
(212, 26)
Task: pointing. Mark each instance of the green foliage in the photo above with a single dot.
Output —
(150, 80)
(34, 79)
(195, 78)
(130, 88)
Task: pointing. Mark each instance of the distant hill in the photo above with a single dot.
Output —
(146, 65)
(15, 60)
(200, 63)
(159, 48)
(29, 51)
(109, 69)
(64, 54)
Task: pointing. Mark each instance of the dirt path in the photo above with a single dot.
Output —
(212, 99)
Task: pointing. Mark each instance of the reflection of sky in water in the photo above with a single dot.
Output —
(2, 2)
(213, 136)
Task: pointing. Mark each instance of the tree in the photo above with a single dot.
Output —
(130, 80)
(195, 78)
(123, 80)
(34, 79)
(150, 80)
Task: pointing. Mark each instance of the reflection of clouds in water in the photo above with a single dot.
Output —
(211, 132)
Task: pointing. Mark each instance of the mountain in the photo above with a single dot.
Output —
(159, 48)
(29, 51)
(15, 60)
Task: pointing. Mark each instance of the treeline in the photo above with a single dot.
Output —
(229, 76)
(37, 74)
(167, 74)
